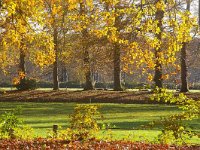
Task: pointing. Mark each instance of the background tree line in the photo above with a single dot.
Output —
(107, 37)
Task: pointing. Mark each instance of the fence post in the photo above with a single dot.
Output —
(55, 131)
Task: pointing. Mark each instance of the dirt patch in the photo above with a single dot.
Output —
(82, 96)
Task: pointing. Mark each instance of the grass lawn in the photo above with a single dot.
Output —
(126, 119)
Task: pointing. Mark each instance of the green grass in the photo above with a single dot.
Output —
(127, 118)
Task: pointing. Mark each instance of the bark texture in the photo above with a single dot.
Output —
(158, 66)
(55, 64)
(117, 68)
(86, 58)
(22, 66)
(184, 83)
(184, 80)
(117, 58)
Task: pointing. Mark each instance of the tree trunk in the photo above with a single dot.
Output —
(117, 57)
(55, 64)
(158, 73)
(158, 66)
(88, 75)
(22, 67)
(86, 59)
(184, 84)
(117, 68)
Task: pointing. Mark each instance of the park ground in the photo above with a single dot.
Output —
(127, 113)
(78, 95)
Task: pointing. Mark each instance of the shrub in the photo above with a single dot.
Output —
(44, 84)
(12, 127)
(23, 132)
(71, 84)
(174, 130)
(8, 122)
(84, 122)
(100, 85)
(5, 84)
(27, 84)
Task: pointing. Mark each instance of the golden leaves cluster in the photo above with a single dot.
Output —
(134, 28)
(20, 22)
(176, 29)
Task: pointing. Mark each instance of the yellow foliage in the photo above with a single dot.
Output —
(16, 80)
(173, 32)
(160, 5)
(150, 77)
(21, 75)
(139, 38)
(20, 34)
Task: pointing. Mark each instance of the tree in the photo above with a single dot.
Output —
(114, 16)
(83, 21)
(159, 28)
(18, 35)
(86, 57)
(184, 80)
(159, 15)
(54, 18)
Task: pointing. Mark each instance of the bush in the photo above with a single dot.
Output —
(12, 127)
(83, 122)
(71, 84)
(108, 85)
(44, 84)
(8, 122)
(174, 130)
(100, 85)
(195, 86)
(170, 85)
(26, 84)
(5, 84)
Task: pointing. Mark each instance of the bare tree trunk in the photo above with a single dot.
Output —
(158, 66)
(117, 59)
(55, 64)
(117, 68)
(88, 75)
(184, 80)
(22, 67)
(184, 83)
(158, 73)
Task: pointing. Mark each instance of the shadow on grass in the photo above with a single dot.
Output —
(137, 108)
(117, 114)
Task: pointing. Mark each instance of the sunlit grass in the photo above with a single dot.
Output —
(125, 120)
